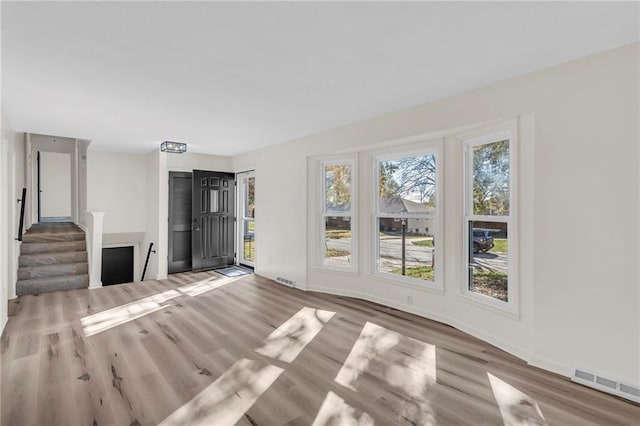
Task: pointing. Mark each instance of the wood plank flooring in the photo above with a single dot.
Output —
(200, 348)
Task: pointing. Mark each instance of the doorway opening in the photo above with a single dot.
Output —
(179, 222)
(201, 220)
(54, 186)
(247, 215)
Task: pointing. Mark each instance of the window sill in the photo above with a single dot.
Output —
(435, 288)
(479, 301)
(348, 271)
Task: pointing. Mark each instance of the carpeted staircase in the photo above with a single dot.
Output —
(53, 257)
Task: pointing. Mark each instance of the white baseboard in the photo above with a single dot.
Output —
(549, 365)
(515, 350)
(335, 292)
(15, 265)
(498, 342)
(298, 284)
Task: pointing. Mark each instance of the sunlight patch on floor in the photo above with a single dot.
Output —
(516, 408)
(287, 341)
(373, 341)
(405, 364)
(199, 287)
(96, 323)
(415, 373)
(335, 411)
(105, 320)
(225, 401)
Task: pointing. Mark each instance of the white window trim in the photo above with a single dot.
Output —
(425, 147)
(353, 213)
(508, 131)
(242, 217)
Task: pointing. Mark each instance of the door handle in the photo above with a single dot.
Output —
(195, 228)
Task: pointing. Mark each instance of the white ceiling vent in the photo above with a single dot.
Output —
(605, 384)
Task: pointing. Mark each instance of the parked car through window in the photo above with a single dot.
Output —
(482, 240)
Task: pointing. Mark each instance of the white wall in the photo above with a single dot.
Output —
(188, 162)
(155, 169)
(162, 189)
(55, 184)
(580, 301)
(4, 228)
(11, 183)
(83, 147)
(116, 184)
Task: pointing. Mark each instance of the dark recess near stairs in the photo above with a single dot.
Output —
(117, 265)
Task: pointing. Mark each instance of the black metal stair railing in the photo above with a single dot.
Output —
(146, 262)
(22, 201)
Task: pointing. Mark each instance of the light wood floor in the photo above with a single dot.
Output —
(199, 348)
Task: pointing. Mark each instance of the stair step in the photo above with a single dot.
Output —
(47, 285)
(44, 271)
(58, 246)
(40, 259)
(44, 237)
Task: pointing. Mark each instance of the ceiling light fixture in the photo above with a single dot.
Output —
(173, 147)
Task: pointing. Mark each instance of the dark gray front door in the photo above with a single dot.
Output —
(212, 221)
(179, 222)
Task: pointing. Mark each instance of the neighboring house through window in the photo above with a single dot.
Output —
(406, 216)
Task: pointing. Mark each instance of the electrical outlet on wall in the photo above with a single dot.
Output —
(409, 299)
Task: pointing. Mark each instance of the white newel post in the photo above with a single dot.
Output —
(94, 247)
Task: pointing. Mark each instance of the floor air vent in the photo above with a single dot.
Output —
(286, 281)
(606, 384)
(631, 391)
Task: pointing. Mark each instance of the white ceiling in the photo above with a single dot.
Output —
(231, 77)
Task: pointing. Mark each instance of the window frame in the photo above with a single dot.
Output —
(243, 217)
(512, 306)
(352, 213)
(424, 148)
